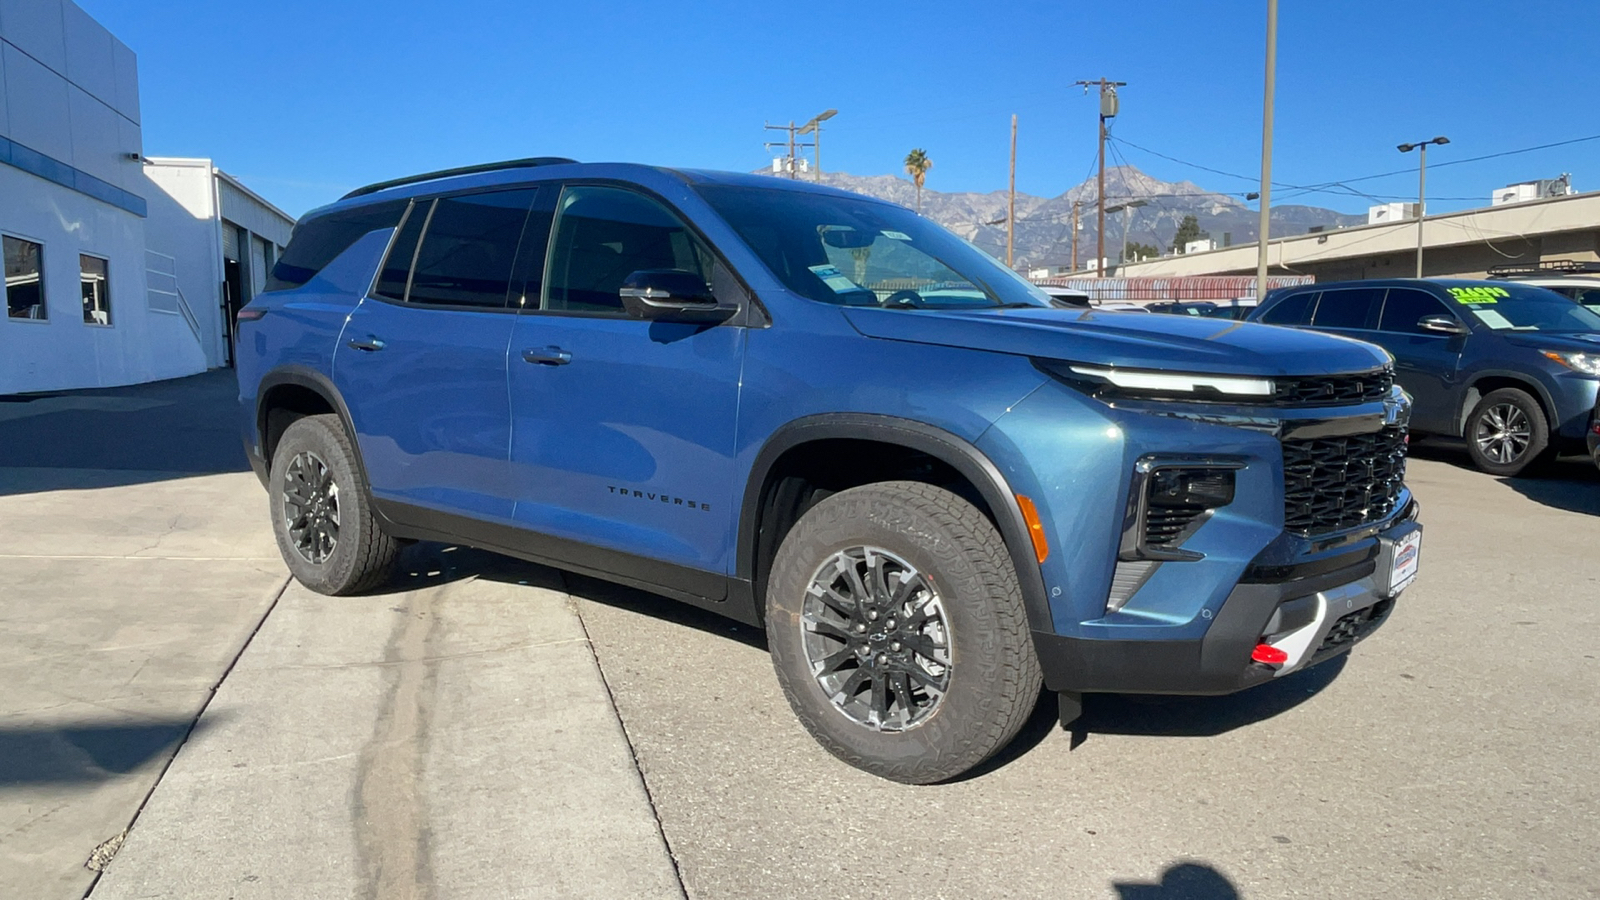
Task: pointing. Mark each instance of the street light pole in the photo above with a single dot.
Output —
(1127, 210)
(1266, 148)
(1422, 184)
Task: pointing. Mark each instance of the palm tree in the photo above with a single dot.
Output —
(917, 166)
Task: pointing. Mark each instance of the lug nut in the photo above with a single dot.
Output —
(872, 614)
(894, 645)
(861, 626)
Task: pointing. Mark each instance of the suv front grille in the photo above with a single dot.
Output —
(1338, 483)
(1333, 390)
(1163, 524)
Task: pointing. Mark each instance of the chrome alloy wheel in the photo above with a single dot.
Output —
(876, 638)
(1503, 433)
(311, 507)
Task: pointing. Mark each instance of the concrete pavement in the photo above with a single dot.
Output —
(458, 734)
(133, 566)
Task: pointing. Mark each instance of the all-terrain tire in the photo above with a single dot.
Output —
(362, 556)
(993, 675)
(1507, 433)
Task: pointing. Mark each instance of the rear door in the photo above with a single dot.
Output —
(1427, 364)
(623, 429)
(422, 361)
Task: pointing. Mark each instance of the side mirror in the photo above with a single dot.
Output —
(1442, 325)
(671, 295)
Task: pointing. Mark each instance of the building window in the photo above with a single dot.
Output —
(24, 279)
(96, 290)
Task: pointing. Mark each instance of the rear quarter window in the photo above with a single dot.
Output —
(317, 242)
(1294, 309)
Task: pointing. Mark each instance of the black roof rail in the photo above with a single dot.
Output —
(1547, 267)
(462, 170)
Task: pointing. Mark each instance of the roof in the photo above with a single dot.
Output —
(550, 168)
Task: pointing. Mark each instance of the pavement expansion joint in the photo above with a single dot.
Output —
(633, 751)
(102, 855)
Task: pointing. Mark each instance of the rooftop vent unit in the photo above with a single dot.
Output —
(1533, 190)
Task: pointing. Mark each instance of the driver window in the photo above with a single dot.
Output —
(604, 234)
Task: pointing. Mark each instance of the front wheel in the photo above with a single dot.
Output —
(898, 632)
(1506, 432)
(321, 514)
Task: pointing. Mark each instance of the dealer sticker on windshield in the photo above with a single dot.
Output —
(1471, 295)
(1407, 555)
(832, 278)
(896, 235)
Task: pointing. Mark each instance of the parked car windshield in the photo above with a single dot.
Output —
(1514, 307)
(860, 252)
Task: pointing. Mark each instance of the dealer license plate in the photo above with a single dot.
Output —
(1406, 554)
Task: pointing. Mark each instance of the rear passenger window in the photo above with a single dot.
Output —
(1405, 307)
(467, 249)
(1349, 308)
(395, 276)
(603, 235)
(316, 242)
(1294, 309)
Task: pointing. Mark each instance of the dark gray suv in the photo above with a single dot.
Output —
(1513, 369)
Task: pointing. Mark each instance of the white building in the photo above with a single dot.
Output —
(78, 215)
(212, 242)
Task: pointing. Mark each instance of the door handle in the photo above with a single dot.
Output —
(369, 344)
(547, 356)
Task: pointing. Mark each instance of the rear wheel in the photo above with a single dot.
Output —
(1507, 432)
(898, 632)
(321, 514)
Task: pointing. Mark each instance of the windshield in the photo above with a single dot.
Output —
(860, 252)
(1523, 308)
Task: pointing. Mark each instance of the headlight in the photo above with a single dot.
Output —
(1587, 363)
(1177, 382)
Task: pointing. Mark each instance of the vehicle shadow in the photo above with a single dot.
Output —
(125, 435)
(427, 564)
(1186, 880)
(1570, 483)
(88, 752)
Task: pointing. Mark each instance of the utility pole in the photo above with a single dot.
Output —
(814, 128)
(790, 163)
(1011, 204)
(1266, 148)
(1075, 235)
(1108, 110)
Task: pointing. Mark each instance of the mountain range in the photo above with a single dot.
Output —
(1044, 224)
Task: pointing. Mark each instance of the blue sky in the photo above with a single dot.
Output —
(304, 100)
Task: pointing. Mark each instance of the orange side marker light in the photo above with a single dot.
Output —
(1030, 515)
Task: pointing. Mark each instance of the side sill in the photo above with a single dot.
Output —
(707, 590)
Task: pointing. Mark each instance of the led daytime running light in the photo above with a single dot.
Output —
(1181, 382)
(1587, 363)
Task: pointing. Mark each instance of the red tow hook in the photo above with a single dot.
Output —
(1266, 654)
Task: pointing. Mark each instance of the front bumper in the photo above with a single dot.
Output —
(1312, 614)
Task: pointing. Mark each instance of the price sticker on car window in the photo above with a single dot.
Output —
(1468, 296)
(897, 235)
(831, 277)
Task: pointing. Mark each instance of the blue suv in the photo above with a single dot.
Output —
(1512, 368)
(824, 415)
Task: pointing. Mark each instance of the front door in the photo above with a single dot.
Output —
(1425, 362)
(422, 362)
(623, 429)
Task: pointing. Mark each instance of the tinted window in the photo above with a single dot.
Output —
(1404, 308)
(1294, 309)
(1348, 308)
(315, 242)
(527, 277)
(24, 279)
(603, 235)
(1516, 307)
(395, 275)
(467, 250)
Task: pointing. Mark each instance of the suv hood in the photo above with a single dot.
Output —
(1575, 341)
(1131, 340)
